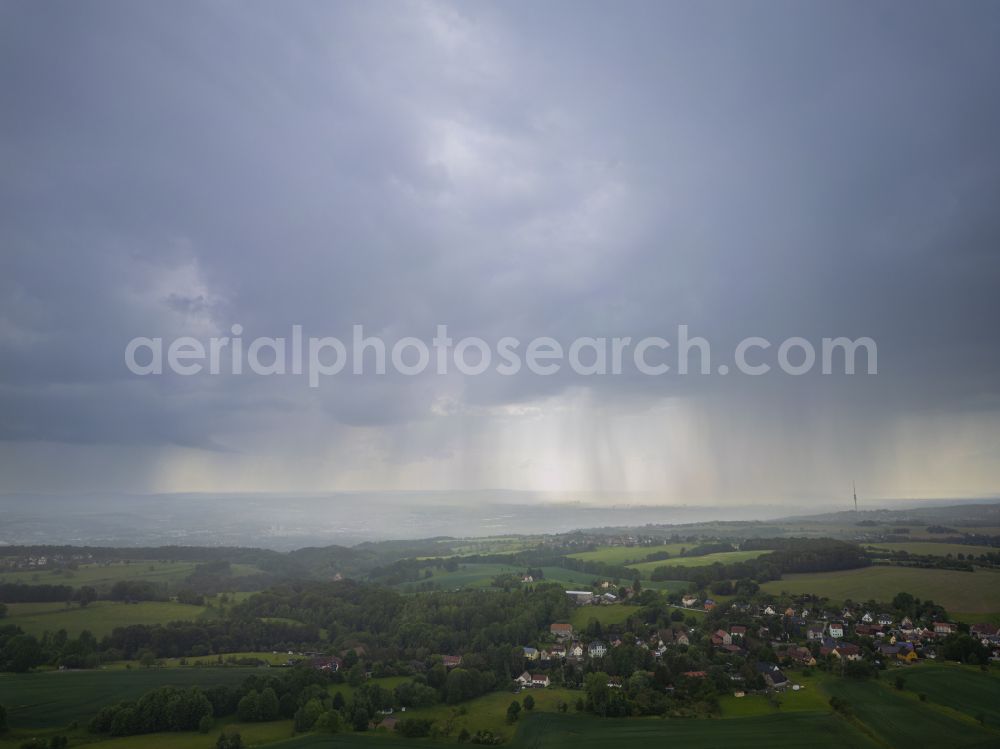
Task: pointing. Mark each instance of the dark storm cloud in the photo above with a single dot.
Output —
(564, 170)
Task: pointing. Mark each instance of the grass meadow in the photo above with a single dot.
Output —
(100, 617)
(933, 549)
(53, 699)
(971, 594)
(606, 615)
(103, 576)
(723, 557)
(624, 554)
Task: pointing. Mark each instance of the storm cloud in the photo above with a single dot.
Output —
(516, 169)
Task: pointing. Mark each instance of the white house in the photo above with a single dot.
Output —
(597, 649)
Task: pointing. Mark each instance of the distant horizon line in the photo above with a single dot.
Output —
(552, 497)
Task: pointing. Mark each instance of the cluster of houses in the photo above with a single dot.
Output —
(902, 640)
(568, 648)
(804, 637)
(692, 602)
(27, 563)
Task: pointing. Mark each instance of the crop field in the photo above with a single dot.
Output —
(606, 615)
(723, 557)
(623, 554)
(962, 688)
(376, 740)
(790, 730)
(211, 661)
(100, 617)
(466, 576)
(53, 699)
(571, 579)
(802, 729)
(971, 593)
(668, 586)
(900, 719)
(933, 549)
(102, 576)
(253, 734)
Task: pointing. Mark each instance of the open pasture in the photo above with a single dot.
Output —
(606, 615)
(971, 592)
(103, 576)
(53, 699)
(625, 554)
(100, 617)
(723, 557)
(933, 549)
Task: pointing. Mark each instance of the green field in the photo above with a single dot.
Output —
(723, 557)
(100, 617)
(805, 730)
(899, 719)
(268, 657)
(932, 549)
(606, 615)
(545, 729)
(971, 593)
(54, 699)
(623, 554)
(474, 575)
(962, 688)
(253, 734)
(810, 697)
(103, 576)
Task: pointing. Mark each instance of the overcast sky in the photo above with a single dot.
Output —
(526, 169)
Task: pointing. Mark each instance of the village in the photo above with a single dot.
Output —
(797, 637)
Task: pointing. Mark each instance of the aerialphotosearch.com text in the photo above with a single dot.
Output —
(320, 357)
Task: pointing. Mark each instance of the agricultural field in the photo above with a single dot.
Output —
(969, 593)
(380, 740)
(624, 554)
(900, 719)
(816, 730)
(723, 557)
(100, 617)
(253, 734)
(932, 549)
(569, 579)
(212, 661)
(966, 689)
(466, 576)
(667, 586)
(102, 576)
(606, 615)
(53, 699)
